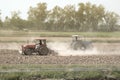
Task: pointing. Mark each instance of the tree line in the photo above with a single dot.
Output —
(84, 17)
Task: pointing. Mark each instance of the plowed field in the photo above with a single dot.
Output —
(107, 54)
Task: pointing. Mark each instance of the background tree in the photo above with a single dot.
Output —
(97, 16)
(80, 17)
(6, 23)
(111, 20)
(15, 22)
(38, 15)
(56, 18)
(87, 17)
(69, 14)
(1, 23)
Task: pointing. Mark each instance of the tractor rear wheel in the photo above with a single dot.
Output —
(43, 51)
(78, 46)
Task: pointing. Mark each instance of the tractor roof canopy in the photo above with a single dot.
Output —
(40, 39)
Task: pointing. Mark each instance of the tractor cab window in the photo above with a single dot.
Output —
(40, 42)
(75, 37)
(44, 42)
(37, 41)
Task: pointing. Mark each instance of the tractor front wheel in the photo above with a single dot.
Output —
(28, 52)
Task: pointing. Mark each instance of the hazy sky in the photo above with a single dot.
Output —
(6, 6)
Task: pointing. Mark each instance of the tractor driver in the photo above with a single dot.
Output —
(76, 38)
(40, 42)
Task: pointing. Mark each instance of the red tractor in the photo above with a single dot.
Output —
(39, 47)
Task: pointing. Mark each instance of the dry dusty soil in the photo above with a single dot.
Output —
(110, 54)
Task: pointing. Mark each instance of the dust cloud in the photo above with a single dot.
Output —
(10, 46)
(64, 49)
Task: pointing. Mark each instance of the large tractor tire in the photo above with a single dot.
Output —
(81, 45)
(78, 46)
(88, 45)
(43, 51)
(28, 52)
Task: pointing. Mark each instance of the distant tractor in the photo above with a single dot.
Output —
(79, 44)
(39, 47)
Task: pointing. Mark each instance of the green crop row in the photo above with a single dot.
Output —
(59, 75)
(49, 71)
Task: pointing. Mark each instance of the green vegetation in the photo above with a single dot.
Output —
(42, 71)
(88, 17)
(50, 75)
(23, 36)
(56, 34)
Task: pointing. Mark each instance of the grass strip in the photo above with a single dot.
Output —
(68, 72)
(57, 34)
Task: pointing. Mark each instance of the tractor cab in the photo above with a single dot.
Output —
(76, 38)
(40, 41)
(38, 47)
(79, 44)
